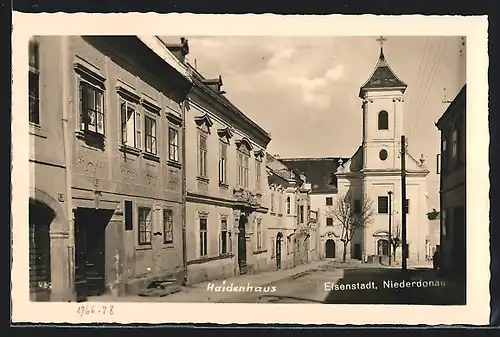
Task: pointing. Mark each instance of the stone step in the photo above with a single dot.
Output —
(161, 288)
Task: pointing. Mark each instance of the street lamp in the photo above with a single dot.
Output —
(390, 224)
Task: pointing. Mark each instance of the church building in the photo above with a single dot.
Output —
(374, 172)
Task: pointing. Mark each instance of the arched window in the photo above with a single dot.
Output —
(383, 120)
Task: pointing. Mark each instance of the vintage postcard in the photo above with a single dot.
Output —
(336, 165)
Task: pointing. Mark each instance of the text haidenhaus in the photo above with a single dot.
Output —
(329, 286)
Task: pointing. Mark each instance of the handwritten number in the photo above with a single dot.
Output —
(104, 310)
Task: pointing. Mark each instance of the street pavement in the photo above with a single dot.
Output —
(322, 282)
(361, 285)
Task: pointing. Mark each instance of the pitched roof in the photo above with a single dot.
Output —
(382, 77)
(319, 172)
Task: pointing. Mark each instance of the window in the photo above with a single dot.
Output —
(128, 215)
(444, 222)
(407, 206)
(454, 143)
(383, 120)
(242, 169)
(383, 205)
(225, 239)
(382, 154)
(444, 156)
(173, 144)
(301, 213)
(257, 175)
(329, 201)
(288, 205)
(357, 206)
(329, 222)
(168, 226)
(273, 249)
(280, 207)
(131, 125)
(223, 163)
(150, 124)
(145, 220)
(272, 202)
(258, 232)
(203, 237)
(202, 156)
(34, 83)
(91, 108)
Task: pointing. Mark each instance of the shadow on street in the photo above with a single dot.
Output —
(421, 286)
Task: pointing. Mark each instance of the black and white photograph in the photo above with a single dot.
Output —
(240, 169)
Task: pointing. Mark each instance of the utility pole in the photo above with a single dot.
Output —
(403, 202)
(390, 224)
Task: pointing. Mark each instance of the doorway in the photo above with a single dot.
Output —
(242, 244)
(383, 247)
(90, 249)
(279, 238)
(357, 251)
(40, 219)
(330, 249)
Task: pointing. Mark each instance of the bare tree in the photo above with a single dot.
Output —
(351, 218)
(395, 239)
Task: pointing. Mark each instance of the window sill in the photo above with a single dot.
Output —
(168, 245)
(150, 156)
(223, 185)
(174, 163)
(92, 139)
(141, 247)
(36, 130)
(131, 150)
(205, 259)
(261, 251)
(203, 179)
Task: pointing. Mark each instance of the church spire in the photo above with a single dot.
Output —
(382, 76)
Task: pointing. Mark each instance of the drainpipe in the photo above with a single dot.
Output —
(68, 155)
(184, 188)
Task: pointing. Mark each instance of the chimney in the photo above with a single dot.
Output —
(215, 84)
(180, 50)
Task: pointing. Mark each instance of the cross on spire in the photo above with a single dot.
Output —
(381, 40)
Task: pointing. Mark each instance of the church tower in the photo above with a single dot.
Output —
(382, 96)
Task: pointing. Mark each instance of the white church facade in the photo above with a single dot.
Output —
(374, 171)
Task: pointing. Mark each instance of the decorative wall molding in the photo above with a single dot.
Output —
(244, 143)
(203, 214)
(225, 133)
(204, 121)
(128, 94)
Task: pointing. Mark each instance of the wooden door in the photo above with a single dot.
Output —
(242, 245)
(330, 249)
(95, 257)
(80, 252)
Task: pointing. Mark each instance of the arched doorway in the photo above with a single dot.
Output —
(40, 278)
(279, 238)
(242, 245)
(383, 247)
(330, 249)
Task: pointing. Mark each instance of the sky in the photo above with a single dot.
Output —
(304, 90)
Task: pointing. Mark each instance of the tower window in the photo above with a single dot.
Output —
(382, 154)
(383, 120)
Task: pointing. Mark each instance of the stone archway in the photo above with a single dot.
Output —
(383, 247)
(330, 249)
(41, 217)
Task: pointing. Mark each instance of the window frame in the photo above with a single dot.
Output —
(170, 211)
(154, 138)
(202, 155)
(137, 122)
(380, 206)
(34, 71)
(243, 168)
(258, 236)
(144, 222)
(288, 205)
(327, 221)
(328, 201)
(223, 162)
(173, 147)
(258, 175)
(203, 237)
(383, 120)
(225, 247)
(83, 84)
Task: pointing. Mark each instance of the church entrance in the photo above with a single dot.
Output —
(383, 247)
(330, 249)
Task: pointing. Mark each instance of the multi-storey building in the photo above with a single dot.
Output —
(106, 120)
(320, 172)
(226, 185)
(453, 187)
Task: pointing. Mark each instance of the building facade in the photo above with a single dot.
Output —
(433, 239)
(292, 233)
(227, 191)
(375, 170)
(453, 187)
(320, 172)
(120, 199)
